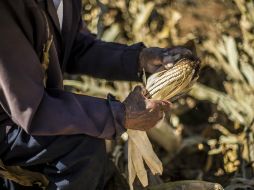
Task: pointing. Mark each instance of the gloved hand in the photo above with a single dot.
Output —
(142, 113)
(155, 59)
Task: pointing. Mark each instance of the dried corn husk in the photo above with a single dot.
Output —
(164, 85)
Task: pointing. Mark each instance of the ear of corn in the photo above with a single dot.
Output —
(167, 84)
(164, 85)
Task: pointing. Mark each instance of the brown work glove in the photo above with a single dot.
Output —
(155, 59)
(142, 113)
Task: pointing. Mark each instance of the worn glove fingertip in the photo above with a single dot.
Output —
(140, 89)
(166, 105)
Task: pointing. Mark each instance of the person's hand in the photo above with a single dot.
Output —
(154, 59)
(142, 113)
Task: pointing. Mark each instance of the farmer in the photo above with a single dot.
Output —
(58, 133)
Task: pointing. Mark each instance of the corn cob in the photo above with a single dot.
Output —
(167, 84)
(164, 85)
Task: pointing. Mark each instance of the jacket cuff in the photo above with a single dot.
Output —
(131, 61)
(118, 112)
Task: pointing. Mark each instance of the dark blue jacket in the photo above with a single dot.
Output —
(52, 111)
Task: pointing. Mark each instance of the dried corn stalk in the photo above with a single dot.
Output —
(164, 85)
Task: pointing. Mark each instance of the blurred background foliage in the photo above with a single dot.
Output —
(209, 133)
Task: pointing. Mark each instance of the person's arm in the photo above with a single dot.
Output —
(106, 60)
(116, 61)
(41, 111)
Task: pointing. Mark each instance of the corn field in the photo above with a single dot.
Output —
(209, 133)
